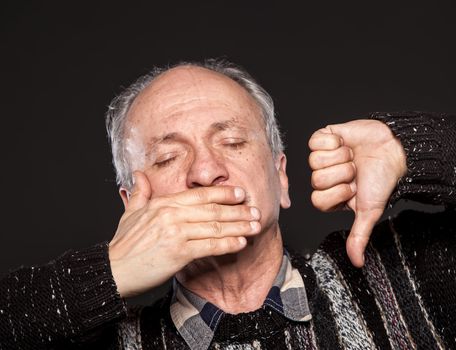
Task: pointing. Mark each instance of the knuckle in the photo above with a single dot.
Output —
(310, 143)
(173, 230)
(346, 191)
(312, 140)
(314, 160)
(351, 172)
(347, 153)
(343, 193)
(312, 180)
(317, 179)
(231, 244)
(325, 209)
(200, 194)
(316, 133)
(212, 244)
(215, 209)
(317, 201)
(226, 245)
(216, 228)
(333, 142)
(165, 213)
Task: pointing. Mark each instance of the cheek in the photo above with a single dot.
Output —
(260, 177)
(268, 183)
(163, 184)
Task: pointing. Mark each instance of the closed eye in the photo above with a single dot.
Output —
(235, 145)
(165, 162)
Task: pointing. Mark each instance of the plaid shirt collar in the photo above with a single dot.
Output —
(197, 319)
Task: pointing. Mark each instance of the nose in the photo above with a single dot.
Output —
(207, 169)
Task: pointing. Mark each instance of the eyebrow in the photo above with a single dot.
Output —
(227, 124)
(167, 138)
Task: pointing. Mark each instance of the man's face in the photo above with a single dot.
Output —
(193, 127)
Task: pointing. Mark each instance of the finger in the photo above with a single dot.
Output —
(358, 131)
(323, 141)
(360, 234)
(325, 178)
(216, 229)
(212, 194)
(141, 192)
(324, 159)
(217, 212)
(215, 246)
(332, 198)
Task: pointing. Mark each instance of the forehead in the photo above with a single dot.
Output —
(189, 94)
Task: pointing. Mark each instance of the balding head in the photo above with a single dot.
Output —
(160, 79)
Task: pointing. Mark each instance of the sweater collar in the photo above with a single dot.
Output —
(196, 319)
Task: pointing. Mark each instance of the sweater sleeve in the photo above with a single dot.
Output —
(429, 140)
(63, 301)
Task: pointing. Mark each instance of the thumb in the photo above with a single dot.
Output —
(360, 233)
(140, 193)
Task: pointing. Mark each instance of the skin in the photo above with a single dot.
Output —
(196, 139)
(362, 158)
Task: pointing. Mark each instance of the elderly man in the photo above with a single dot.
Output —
(202, 175)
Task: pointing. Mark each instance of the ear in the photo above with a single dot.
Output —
(125, 195)
(281, 166)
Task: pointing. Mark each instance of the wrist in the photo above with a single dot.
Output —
(400, 158)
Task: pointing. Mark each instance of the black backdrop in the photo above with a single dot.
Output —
(62, 63)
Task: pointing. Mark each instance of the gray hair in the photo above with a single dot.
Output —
(116, 115)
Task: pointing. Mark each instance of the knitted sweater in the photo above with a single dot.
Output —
(404, 297)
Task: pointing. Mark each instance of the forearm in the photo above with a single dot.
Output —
(429, 140)
(65, 300)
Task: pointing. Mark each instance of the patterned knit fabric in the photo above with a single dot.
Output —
(65, 301)
(197, 319)
(404, 297)
(429, 141)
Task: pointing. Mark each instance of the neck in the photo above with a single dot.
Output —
(237, 282)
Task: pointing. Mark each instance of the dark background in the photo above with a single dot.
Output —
(62, 63)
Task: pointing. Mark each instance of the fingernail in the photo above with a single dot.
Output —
(341, 141)
(239, 193)
(255, 213)
(353, 186)
(242, 240)
(255, 225)
(351, 153)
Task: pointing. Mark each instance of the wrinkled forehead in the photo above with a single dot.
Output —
(189, 93)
